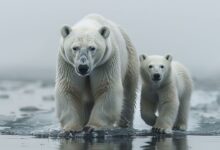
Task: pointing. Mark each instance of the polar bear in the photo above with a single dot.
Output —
(97, 76)
(166, 87)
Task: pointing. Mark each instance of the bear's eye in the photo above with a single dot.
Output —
(150, 66)
(76, 48)
(91, 48)
(161, 66)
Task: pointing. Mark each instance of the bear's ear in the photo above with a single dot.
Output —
(169, 57)
(142, 57)
(104, 31)
(65, 31)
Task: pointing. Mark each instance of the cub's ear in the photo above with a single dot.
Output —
(169, 57)
(65, 31)
(142, 57)
(104, 31)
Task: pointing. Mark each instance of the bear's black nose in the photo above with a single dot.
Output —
(156, 77)
(83, 69)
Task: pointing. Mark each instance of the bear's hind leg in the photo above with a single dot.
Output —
(130, 84)
(130, 91)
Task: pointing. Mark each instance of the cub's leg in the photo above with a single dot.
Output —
(168, 109)
(148, 107)
(183, 113)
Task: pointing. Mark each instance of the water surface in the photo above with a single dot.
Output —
(27, 108)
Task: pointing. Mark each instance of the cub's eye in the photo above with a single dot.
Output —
(150, 66)
(76, 48)
(161, 66)
(91, 48)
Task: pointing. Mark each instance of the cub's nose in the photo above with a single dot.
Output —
(156, 77)
(83, 69)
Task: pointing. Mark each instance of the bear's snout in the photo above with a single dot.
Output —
(156, 77)
(83, 69)
(83, 60)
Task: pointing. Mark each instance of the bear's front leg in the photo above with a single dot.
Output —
(148, 107)
(107, 107)
(69, 110)
(168, 109)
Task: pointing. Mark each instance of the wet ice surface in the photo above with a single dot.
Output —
(139, 143)
(28, 108)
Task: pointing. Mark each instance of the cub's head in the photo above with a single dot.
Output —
(155, 69)
(84, 48)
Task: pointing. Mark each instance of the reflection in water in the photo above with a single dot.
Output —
(155, 143)
(97, 144)
(168, 143)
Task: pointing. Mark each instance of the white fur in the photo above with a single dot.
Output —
(170, 96)
(105, 96)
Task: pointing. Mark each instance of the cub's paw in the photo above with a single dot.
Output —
(161, 130)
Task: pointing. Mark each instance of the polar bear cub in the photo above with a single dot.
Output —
(166, 88)
(97, 75)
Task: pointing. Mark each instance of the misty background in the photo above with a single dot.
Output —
(189, 30)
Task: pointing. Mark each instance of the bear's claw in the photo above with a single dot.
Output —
(88, 129)
(158, 130)
(161, 130)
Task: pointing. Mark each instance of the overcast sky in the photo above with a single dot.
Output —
(188, 29)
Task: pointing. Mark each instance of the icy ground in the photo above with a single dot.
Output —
(29, 107)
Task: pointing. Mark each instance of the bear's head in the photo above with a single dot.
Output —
(155, 69)
(84, 48)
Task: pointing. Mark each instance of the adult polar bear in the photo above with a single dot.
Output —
(97, 76)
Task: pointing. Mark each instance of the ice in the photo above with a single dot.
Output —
(28, 107)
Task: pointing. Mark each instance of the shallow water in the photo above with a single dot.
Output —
(28, 107)
(10, 142)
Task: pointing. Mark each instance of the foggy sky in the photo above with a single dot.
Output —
(189, 30)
